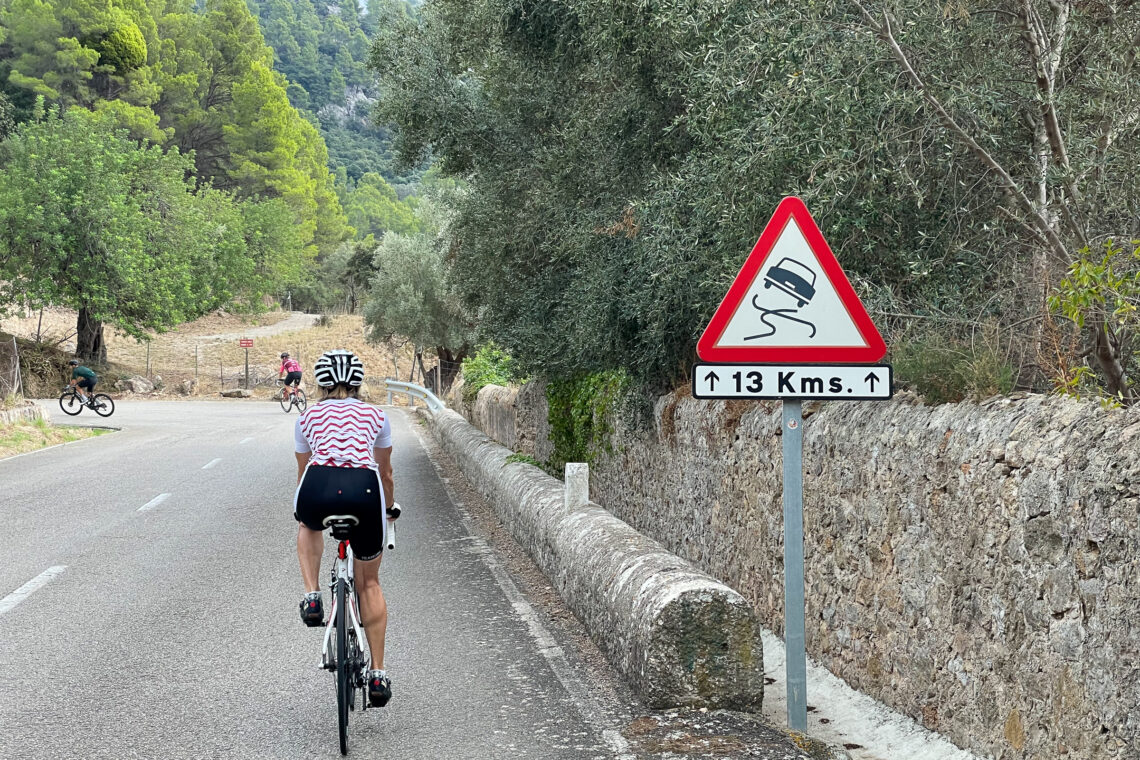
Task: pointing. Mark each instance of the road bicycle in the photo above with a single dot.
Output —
(289, 400)
(100, 403)
(350, 661)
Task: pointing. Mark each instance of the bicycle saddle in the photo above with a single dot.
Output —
(339, 524)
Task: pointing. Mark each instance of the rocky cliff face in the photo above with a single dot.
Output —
(976, 566)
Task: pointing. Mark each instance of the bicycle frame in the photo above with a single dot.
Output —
(342, 572)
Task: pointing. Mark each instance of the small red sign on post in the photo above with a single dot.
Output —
(245, 342)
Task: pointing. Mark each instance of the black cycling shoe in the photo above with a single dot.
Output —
(312, 613)
(379, 688)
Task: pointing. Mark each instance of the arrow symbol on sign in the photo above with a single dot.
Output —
(712, 377)
(872, 378)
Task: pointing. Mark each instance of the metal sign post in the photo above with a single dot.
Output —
(794, 640)
(246, 343)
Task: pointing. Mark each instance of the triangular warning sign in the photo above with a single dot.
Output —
(791, 303)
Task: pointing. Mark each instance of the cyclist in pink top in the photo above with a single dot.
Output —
(293, 379)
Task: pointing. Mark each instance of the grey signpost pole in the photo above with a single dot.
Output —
(794, 644)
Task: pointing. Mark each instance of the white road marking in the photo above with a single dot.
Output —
(211, 463)
(245, 440)
(23, 592)
(154, 502)
(547, 646)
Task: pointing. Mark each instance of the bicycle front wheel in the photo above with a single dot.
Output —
(286, 402)
(70, 404)
(343, 666)
(103, 405)
(302, 402)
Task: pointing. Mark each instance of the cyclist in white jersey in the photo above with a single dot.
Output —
(344, 466)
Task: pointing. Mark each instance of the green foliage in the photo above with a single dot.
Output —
(7, 116)
(1101, 290)
(324, 54)
(124, 48)
(93, 221)
(490, 365)
(1105, 286)
(411, 294)
(944, 368)
(373, 208)
(195, 76)
(581, 413)
(621, 159)
(523, 459)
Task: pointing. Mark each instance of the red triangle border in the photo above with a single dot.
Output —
(791, 208)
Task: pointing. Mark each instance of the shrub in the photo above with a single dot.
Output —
(944, 368)
(490, 365)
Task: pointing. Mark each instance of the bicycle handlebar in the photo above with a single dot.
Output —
(393, 515)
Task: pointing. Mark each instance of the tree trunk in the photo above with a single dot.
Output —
(89, 345)
(448, 365)
(1107, 358)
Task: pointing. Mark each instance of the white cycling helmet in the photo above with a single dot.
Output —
(339, 367)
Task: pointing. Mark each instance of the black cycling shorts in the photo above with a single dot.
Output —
(293, 378)
(87, 382)
(356, 491)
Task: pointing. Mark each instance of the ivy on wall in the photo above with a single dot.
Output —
(580, 413)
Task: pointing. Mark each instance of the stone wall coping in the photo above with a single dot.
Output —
(679, 636)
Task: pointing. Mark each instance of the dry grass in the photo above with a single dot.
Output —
(22, 437)
(190, 350)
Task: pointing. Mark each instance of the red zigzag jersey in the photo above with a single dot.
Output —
(342, 433)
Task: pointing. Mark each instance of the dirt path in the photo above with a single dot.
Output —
(297, 320)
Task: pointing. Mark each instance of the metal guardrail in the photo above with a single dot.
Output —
(413, 391)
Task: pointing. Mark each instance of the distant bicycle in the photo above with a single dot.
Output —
(349, 660)
(289, 400)
(100, 403)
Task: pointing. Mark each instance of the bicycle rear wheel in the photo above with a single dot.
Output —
(302, 402)
(343, 666)
(69, 403)
(103, 405)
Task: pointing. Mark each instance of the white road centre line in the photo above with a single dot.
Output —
(547, 646)
(153, 502)
(211, 463)
(23, 592)
(245, 440)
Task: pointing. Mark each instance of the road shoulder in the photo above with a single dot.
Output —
(644, 734)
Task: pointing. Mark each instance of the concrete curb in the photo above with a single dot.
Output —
(677, 635)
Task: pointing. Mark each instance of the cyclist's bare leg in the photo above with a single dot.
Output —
(310, 547)
(373, 608)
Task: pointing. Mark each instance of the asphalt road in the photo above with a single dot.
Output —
(162, 615)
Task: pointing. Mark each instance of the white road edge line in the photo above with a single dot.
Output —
(211, 463)
(23, 592)
(245, 440)
(547, 646)
(153, 502)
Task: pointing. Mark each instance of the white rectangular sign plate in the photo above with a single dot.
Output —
(793, 381)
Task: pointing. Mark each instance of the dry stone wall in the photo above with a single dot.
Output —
(976, 566)
(27, 412)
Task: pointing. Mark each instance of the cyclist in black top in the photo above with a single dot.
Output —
(82, 378)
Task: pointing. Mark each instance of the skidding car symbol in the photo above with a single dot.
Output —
(793, 278)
